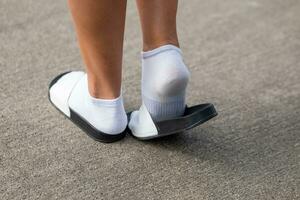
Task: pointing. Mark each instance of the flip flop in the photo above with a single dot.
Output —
(59, 92)
(143, 127)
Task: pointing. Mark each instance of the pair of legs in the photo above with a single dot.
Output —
(100, 30)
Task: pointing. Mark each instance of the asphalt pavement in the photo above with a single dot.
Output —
(244, 56)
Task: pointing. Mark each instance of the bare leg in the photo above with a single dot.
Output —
(158, 21)
(100, 29)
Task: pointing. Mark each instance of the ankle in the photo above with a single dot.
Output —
(102, 90)
(155, 43)
(102, 94)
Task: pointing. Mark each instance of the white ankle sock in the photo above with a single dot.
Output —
(105, 115)
(164, 81)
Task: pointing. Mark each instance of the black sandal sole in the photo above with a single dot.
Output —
(193, 117)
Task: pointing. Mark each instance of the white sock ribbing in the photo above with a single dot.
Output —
(106, 115)
(164, 81)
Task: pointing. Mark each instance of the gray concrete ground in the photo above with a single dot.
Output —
(244, 56)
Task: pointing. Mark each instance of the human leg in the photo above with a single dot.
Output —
(164, 74)
(93, 100)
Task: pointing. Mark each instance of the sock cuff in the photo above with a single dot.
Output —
(164, 110)
(147, 54)
(107, 102)
(102, 102)
(163, 99)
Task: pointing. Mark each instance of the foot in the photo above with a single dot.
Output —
(70, 95)
(164, 81)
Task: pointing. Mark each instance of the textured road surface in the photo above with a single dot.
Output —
(244, 56)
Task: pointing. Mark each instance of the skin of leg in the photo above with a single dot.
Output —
(100, 31)
(158, 21)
